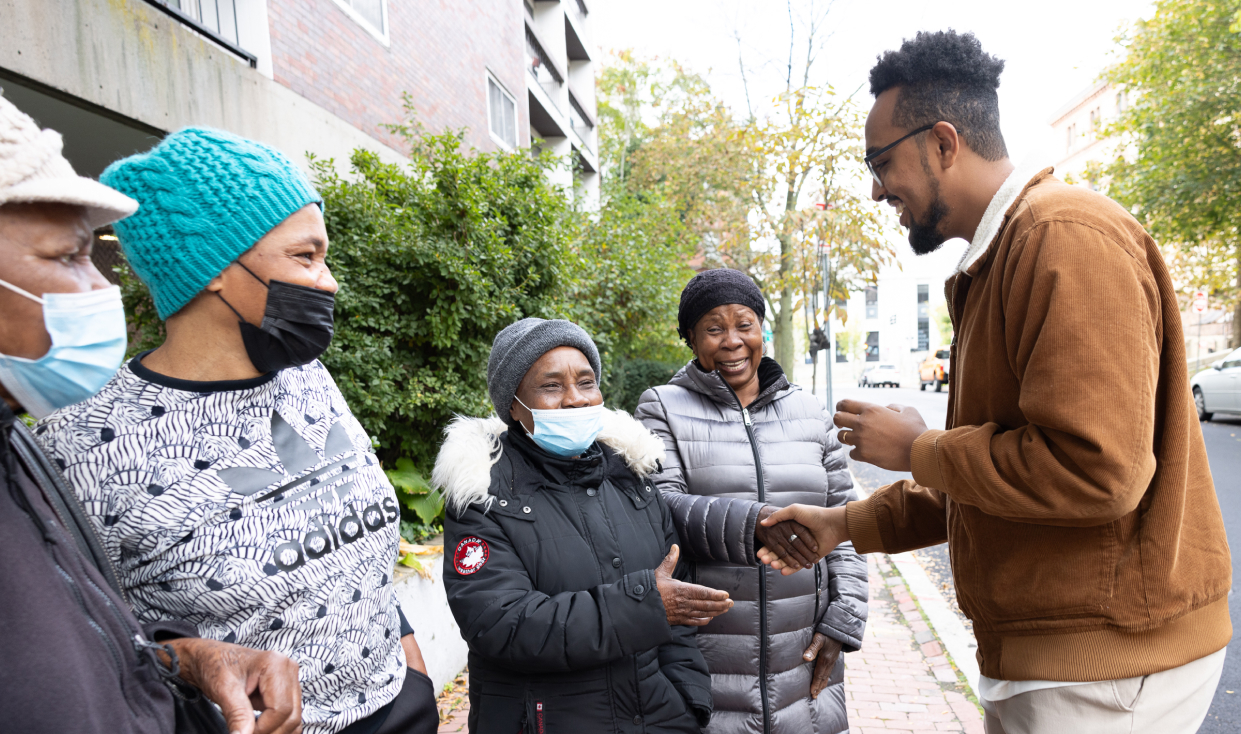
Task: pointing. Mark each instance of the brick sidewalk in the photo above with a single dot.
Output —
(454, 705)
(899, 681)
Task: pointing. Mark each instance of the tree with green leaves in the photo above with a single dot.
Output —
(809, 149)
(746, 190)
(1180, 165)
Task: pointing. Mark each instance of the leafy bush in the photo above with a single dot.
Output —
(630, 378)
(433, 259)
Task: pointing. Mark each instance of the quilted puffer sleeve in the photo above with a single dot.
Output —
(680, 661)
(844, 616)
(710, 528)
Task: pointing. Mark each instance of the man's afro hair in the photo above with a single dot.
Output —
(945, 75)
(942, 56)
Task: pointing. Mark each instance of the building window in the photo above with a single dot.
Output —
(501, 114)
(872, 302)
(841, 356)
(872, 346)
(370, 14)
(924, 318)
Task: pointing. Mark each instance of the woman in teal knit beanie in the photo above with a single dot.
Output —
(227, 477)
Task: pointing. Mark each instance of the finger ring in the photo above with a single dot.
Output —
(793, 537)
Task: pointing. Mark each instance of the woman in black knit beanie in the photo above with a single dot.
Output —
(739, 442)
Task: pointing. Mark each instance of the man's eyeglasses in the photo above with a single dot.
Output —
(870, 159)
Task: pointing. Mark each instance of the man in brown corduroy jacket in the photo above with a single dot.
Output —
(1071, 482)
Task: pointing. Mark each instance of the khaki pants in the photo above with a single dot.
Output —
(1172, 702)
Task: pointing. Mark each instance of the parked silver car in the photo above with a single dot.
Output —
(881, 375)
(1218, 389)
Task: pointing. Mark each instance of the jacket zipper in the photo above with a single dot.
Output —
(38, 476)
(107, 641)
(52, 492)
(762, 570)
(762, 581)
(818, 593)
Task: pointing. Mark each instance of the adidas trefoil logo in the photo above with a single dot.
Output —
(299, 490)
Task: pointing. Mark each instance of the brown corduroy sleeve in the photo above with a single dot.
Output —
(897, 518)
(1081, 317)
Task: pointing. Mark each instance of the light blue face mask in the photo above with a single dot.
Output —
(88, 344)
(568, 431)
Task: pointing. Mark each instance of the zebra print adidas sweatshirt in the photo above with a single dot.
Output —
(253, 509)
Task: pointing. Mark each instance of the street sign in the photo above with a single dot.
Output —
(1200, 302)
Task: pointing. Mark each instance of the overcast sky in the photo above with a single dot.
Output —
(1053, 48)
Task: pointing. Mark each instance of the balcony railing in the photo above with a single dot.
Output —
(215, 19)
(542, 69)
(579, 121)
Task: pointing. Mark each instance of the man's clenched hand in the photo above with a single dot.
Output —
(241, 681)
(688, 604)
(880, 436)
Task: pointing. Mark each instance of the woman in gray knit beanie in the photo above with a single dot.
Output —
(559, 553)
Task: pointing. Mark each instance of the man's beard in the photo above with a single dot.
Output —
(924, 236)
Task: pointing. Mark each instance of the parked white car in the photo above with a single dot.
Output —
(1218, 389)
(881, 375)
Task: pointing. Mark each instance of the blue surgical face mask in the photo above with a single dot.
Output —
(568, 431)
(88, 344)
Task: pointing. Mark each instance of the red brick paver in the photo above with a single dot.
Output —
(901, 680)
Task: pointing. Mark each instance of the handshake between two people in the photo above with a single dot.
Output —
(797, 536)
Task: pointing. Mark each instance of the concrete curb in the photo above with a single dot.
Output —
(957, 641)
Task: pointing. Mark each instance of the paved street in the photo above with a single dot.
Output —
(1223, 439)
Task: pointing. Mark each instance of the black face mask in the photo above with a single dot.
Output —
(296, 329)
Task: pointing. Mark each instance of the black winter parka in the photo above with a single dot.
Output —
(549, 569)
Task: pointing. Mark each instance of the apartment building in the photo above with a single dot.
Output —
(1082, 149)
(308, 76)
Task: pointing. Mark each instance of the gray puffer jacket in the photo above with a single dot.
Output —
(723, 464)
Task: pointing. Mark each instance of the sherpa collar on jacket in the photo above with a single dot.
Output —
(472, 446)
(1002, 205)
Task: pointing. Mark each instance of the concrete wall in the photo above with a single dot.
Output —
(439, 51)
(425, 605)
(130, 58)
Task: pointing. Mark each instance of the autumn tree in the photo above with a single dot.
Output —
(1180, 170)
(805, 195)
(666, 136)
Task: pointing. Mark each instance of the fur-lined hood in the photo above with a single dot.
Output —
(472, 446)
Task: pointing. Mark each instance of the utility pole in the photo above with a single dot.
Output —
(1199, 305)
(825, 252)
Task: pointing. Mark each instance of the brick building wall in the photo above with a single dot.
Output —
(439, 52)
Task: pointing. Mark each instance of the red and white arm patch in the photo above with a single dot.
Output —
(471, 555)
